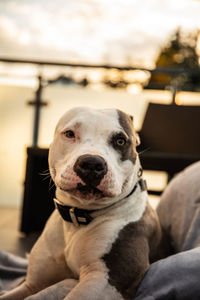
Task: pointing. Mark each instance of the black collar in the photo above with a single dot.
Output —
(75, 215)
(79, 216)
(143, 186)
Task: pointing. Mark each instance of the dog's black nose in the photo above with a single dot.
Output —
(91, 169)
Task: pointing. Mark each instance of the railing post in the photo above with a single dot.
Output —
(37, 103)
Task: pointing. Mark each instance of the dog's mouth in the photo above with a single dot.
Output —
(85, 191)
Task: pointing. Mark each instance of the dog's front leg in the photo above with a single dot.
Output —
(93, 284)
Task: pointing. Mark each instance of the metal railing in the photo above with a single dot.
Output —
(38, 103)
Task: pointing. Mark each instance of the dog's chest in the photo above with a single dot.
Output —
(87, 244)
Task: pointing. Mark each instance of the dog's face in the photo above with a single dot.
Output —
(93, 156)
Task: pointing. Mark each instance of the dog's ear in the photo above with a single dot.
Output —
(137, 139)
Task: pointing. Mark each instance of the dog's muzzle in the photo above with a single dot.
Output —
(91, 169)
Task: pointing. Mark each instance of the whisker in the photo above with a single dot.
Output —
(51, 184)
(143, 151)
(45, 172)
(46, 177)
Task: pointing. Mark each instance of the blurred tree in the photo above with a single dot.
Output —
(179, 54)
(114, 79)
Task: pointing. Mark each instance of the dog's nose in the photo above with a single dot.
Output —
(91, 169)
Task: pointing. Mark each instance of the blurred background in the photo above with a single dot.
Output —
(55, 55)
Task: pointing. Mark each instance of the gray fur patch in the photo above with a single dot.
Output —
(128, 259)
(128, 152)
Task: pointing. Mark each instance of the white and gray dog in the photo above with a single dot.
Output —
(103, 232)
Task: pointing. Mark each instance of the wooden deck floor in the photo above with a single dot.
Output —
(11, 239)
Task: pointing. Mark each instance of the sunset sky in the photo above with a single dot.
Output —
(92, 31)
(117, 32)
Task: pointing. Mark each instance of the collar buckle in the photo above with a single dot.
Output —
(143, 184)
(73, 216)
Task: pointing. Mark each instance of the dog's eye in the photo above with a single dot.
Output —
(121, 141)
(69, 134)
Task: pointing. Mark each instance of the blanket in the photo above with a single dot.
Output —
(175, 277)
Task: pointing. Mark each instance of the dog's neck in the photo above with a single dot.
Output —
(79, 216)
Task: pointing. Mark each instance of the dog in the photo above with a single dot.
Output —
(103, 232)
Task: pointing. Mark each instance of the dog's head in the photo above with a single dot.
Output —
(93, 156)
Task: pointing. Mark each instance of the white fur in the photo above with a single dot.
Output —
(65, 251)
(92, 137)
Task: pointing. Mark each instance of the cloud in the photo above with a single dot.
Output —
(92, 30)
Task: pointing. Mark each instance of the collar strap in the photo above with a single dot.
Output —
(79, 216)
(143, 186)
(75, 215)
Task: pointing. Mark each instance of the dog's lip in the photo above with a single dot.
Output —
(84, 191)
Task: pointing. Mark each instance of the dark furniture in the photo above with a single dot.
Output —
(38, 191)
(170, 138)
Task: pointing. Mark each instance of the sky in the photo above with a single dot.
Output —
(117, 32)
